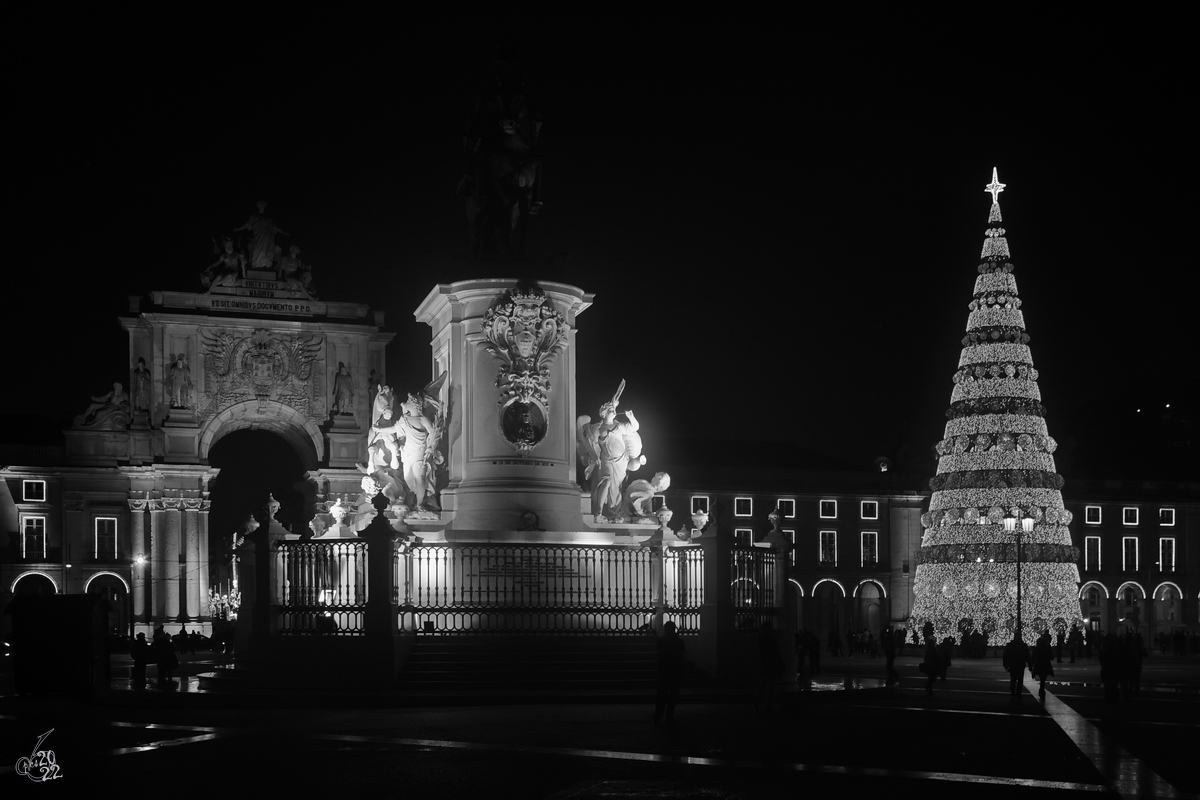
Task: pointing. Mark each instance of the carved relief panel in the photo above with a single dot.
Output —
(263, 365)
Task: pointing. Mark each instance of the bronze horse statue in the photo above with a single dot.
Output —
(502, 183)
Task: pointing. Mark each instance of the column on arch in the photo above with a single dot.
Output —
(137, 548)
(191, 556)
(171, 549)
(156, 567)
(202, 564)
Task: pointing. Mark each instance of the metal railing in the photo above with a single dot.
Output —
(588, 589)
(322, 587)
(683, 587)
(752, 588)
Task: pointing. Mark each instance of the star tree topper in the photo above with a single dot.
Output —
(995, 187)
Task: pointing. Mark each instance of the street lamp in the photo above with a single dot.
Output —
(1010, 525)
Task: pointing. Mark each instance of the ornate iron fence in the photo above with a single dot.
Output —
(322, 587)
(683, 587)
(545, 589)
(752, 589)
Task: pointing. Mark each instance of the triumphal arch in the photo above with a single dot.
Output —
(252, 348)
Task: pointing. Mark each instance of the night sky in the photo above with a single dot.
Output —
(780, 220)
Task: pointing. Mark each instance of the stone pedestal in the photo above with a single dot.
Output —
(344, 441)
(492, 483)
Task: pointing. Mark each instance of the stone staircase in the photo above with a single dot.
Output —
(531, 664)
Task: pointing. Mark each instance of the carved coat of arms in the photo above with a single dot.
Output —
(261, 366)
(524, 331)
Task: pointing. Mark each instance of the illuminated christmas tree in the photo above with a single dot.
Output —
(996, 482)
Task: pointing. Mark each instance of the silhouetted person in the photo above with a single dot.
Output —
(140, 650)
(164, 656)
(770, 667)
(889, 653)
(945, 650)
(1075, 643)
(1059, 642)
(1042, 667)
(930, 665)
(1016, 658)
(1135, 652)
(814, 653)
(670, 673)
(1111, 656)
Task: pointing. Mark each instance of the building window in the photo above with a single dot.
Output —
(33, 537)
(870, 548)
(1093, 597)
(33, 491)
(106, 537)
(870, 509)
(829, 509)
(787, 508)
(699, 504)
(743, 537)
(1166, 516)
(656, 503)
(1129, 516)
(1091, 515)
(1129, 545)
(1091, 553)
(829, 548)
(1166, 555)
(743, 507)
(790, 535)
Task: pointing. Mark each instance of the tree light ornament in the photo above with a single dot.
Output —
(995, 463)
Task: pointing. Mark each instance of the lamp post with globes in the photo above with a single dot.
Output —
(1010, 526)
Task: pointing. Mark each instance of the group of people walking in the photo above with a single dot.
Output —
(161, 650)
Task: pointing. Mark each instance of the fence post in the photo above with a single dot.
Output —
(379, 619)
(716, 608)
(658, 552)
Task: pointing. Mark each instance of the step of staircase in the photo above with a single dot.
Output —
(445, 663)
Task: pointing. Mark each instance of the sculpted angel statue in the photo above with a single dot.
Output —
(411, 441)
(638, 500)
(608, 450)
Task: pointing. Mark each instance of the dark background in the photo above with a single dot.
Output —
(780, 217)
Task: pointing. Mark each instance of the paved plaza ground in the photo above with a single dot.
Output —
(970, 739)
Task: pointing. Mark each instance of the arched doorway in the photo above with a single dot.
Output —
(868, 607)
(827, 599)
(254, 465)
(113, 589)
(1167, 614)
(34, 583)
(1131, 610)
(1093, 599)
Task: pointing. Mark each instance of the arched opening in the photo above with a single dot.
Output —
(827, 600)
(113, 590)
(34, 583)
(867, 608)
(1166, 616)
(254, 466)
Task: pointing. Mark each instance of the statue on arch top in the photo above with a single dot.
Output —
(262, 231)
(226, 270)
(293, 273)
